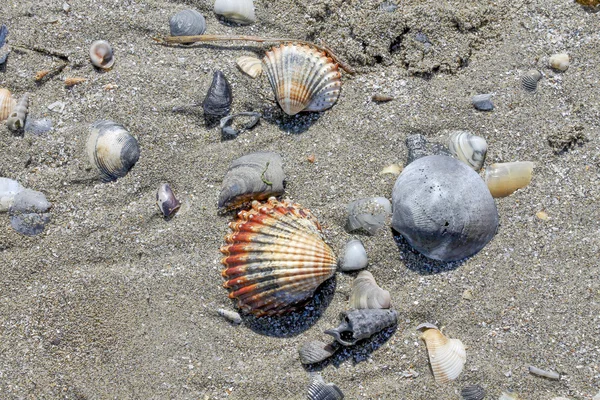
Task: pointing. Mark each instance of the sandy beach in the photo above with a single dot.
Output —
(113, 302)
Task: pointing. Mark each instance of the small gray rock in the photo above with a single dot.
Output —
(483, 102)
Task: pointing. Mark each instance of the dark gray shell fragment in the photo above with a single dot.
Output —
(217, 102)
(530, 80)
(368, 214)
(315, 351)
(443, 208)
(4, 50)
(29, 212)
(362, 324)
(482, 102)
(187, 23)
(232, 125)
(473, 392)
(418, 147)
(255, 176)
(319, 390)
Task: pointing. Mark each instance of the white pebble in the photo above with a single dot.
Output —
(355, 256)
(559, 61)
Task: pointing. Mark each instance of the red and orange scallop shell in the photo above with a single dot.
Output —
(275, 258)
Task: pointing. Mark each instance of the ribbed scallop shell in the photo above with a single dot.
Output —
(367, 294)
(530, 80)
(7, 104)
(112, 150)
(315, 351)
(319, 390)
(303, 78)
(251, 66)
(446, 356)
(275, 258)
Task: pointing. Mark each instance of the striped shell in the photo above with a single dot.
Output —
(112, 150)
(303, 78)
(251, 66)
(529, 81)
(446, 356)
(275, 258)
(315, 351)
(7, 103)
(16, 120)
(473, 392)
(319, 390)
(367, 294)
(187, 23)
(468, 148)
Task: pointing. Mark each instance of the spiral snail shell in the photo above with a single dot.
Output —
(16, 120)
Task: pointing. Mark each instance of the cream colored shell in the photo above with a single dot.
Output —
(446, 356)
(367, 294)
(251, 66)
(503, 179)
(7, 104)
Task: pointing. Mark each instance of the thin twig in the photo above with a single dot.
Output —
(216, 38)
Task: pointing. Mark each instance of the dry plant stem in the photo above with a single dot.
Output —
(216, 38)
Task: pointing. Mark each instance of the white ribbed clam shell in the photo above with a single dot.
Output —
(7, 104)
(446, 356)
(302, 77)
(367, 294)
(239, 11)
(251, 66)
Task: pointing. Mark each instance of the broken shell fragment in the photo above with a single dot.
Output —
(37, 126)
(111, 150)
(366, 294)
(504, 179)
(315, 351)
(393, 169)
(251, 66)
(217, 102)
(368, 214)
(275, 258)
(432, 212)
(543, 373)
(362, 324)
(166, 201)
(509, 395)
(302, 77)
(530, 80)
(482, 102)
(8, 190)
(41, 75)
(446, 356)
(7, 104)
(231, 316)
(29, 212)
(232, 125)
(16, 119)
(319, 390)
(72, 81)
(101, 54)
(255, 176)
(355, 256)
(381, 98)
(468, 148)
(187, 23)
(238, 11)
(4, 49)
(473, 392)
(559, 61)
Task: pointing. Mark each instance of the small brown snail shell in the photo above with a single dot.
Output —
(101, 54)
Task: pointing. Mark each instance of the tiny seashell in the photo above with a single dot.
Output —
(302, 77)
(217, 102)
(112, 150)
(315, 351)
(8, 190)
(393, 169)
(37, 126)
(101, 54)
(72, 81)
(381, 98)
(367, 294)
(542, 215)
(530, 80)
(66, 7)
(483, 102)
(473, 392)
(57, 107)
(468, 148)
(41, 74)
(16, 119)
(238, 11)
(29, 212)
(443, 208)
(355, 256)
(230, 128)
(418, 147)
(446, 356)
(362, 324)
(503, 179)
(543, 373)
(7, 104)
(368, 214)
(311, 158)
(166, 201)
(275, 258)
(509, 395)
(111, 86)
(559, 61)
(232, 316)
(187, 23)
(251, 66)
(255, 176)
(319, 390)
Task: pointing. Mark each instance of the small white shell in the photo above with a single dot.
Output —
(468, 148)
(315, 351)
(367, 294)
(446, 356)
(101, 54)
(355, 256)
(7, 103)
(503, 179)
(238, 11)
(559, 61)
(251, 66)
(8, 190)
(232, 316)
(16, 120)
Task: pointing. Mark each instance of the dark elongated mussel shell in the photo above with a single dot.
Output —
(217, 102)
